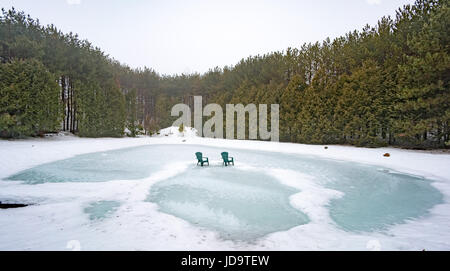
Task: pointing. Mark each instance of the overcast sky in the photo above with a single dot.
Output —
(187, 36)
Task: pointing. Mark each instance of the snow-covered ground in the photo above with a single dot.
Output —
(58, 220)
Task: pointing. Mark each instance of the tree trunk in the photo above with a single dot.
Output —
(68, 108)
(63, 99)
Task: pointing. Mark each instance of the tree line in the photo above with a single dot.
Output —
(383, 85)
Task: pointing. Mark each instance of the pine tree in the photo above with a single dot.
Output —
(423, 78)
(29, 99)
(290, 106)
(132, 122)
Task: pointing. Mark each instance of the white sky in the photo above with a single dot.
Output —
(188, 36)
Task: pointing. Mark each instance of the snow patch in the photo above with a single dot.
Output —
(189, 132)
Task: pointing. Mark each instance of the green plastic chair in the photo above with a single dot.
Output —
(201, 160)
(227, 160)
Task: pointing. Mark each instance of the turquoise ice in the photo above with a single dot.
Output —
(101, 209)
(238, 204)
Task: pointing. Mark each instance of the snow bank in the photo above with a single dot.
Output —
(175, 132)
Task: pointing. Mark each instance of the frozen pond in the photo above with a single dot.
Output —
(265, 192)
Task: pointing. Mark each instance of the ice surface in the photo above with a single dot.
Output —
(375, 200)
(101, 209)
(125, 164)
(265, 192)
(240, 204)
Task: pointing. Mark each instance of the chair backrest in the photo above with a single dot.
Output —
(225, 155)
(199, 156)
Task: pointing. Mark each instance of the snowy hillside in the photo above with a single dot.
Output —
(174, 132)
